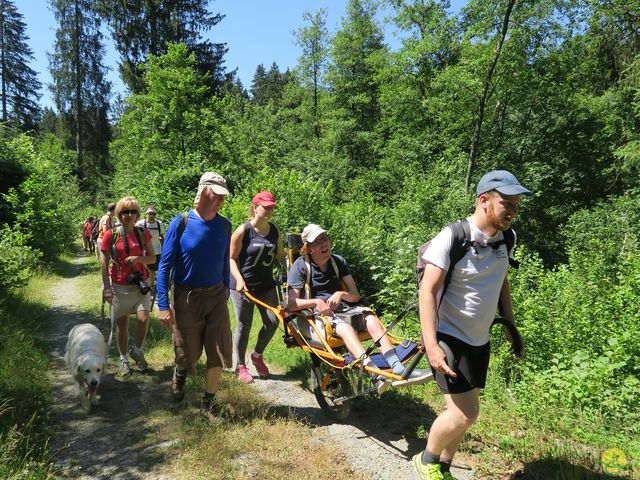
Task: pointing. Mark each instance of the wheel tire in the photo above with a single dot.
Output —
(336, 386)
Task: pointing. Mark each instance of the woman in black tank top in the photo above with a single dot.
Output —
(256, 246)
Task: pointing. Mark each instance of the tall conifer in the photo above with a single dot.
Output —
(20, 89)
(143, 27)
(80, 89)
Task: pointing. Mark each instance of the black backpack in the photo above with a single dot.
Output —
(95, 229)
(461, 244)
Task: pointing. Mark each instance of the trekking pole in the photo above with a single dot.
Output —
(103, 319)
(412, 305)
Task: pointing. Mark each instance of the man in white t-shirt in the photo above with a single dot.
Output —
(461, 318)
(157, 237)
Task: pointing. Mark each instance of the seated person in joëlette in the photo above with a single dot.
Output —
(333, 291)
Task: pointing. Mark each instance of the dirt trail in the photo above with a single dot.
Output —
(116, 441)
(113, 441)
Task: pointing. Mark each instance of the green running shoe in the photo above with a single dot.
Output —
(430, 471)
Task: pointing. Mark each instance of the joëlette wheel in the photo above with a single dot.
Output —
(329, 384)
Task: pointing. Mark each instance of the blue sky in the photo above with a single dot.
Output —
(255, 31)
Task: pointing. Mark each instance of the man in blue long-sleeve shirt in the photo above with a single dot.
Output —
(199, 258)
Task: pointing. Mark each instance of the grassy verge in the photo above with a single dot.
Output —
(24, 391)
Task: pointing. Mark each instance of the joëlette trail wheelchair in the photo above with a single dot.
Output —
(336, 376)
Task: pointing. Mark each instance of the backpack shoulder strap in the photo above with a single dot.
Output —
(183, 224)
(337, 272)
(116, 233)
(510, 240)
(461, 241)
(139, 232)
(307, 283)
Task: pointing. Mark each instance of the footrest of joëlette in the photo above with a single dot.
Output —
(404, 351)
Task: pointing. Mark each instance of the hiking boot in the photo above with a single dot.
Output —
(210, 409)
(258, 362)
(242, 374)
(139, 359)
(381, 383)
(177, 384)
(431, 471)
(124, 369)
(448, 476)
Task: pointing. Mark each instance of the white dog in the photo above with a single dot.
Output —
(86, 358)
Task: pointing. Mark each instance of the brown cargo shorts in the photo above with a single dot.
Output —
(202, 321)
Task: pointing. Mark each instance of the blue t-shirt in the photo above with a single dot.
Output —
(200, 259)
(257, 258)
(323, 284)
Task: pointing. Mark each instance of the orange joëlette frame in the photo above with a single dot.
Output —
(327, 354)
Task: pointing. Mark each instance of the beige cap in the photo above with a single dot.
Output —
(210, 179)
(217, 183)
(311, 232)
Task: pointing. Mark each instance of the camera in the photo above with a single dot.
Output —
(136, 278)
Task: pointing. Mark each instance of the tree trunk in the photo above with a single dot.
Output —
(316, 119)
(3, 63)
(485, 95)
(78, 82)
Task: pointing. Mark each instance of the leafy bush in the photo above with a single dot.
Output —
(17, 260)
(581, 321)
(47, 203)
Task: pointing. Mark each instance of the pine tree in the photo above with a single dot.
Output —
(20, 86)
(357, 54)
(259, 85)
(146, 27)
(313, 39)
(80, 90)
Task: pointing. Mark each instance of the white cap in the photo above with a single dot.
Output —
(311, 232)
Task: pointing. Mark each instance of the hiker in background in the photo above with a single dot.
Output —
(126, 250)
(86, 235)
(255, 247)
(321, 281)
(95, 232)
(154, 226)
(106, 224)
(196, 247)
(461, 318)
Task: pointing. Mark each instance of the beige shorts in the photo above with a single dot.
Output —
(127, 300)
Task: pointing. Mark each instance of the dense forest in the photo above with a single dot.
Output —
(381, 146)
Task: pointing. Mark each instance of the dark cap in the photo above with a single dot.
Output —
(502, 181)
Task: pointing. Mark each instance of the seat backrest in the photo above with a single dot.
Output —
(294, 244)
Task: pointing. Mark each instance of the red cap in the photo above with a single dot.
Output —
(264, 198)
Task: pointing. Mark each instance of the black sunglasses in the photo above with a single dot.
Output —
(129, 212)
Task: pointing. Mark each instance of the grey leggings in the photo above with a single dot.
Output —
(244, 316)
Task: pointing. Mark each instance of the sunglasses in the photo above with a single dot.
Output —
(129, 212)
(319, 240)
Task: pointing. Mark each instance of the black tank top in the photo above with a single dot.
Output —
(257, 257)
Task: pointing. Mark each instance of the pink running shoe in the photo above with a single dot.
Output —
(258, 362)
(242, 374)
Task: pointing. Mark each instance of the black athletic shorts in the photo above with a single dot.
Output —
(154, 266)
(471, 365)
